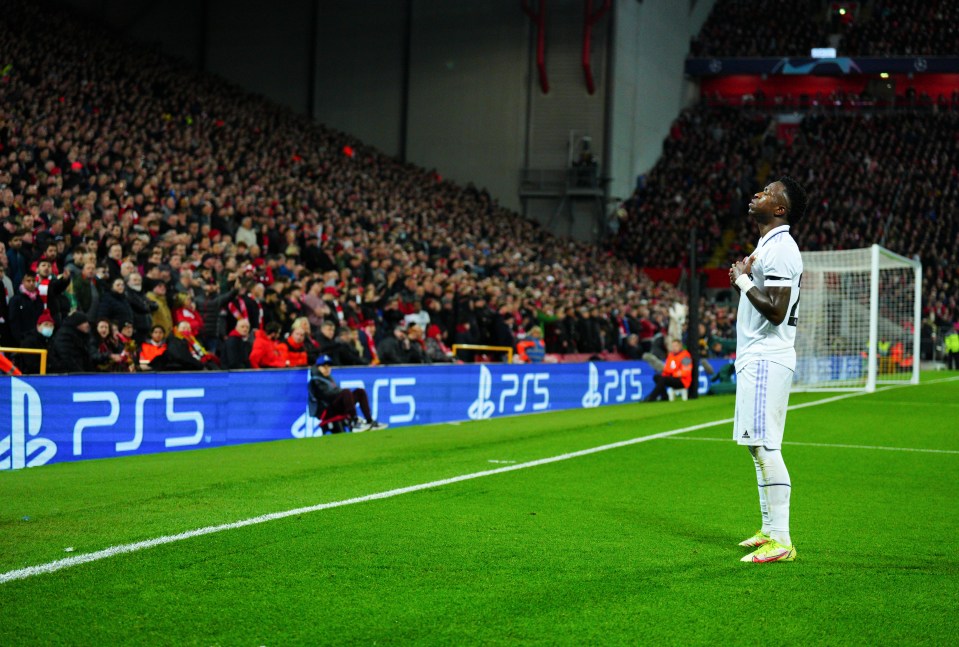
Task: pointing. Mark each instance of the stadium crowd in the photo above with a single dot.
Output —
(891, 178)
(757, 28)
(153, 218)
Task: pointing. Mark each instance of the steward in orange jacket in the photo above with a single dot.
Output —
(677, 374)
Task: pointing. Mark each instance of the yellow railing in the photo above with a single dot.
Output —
(42, 352)
(500, 349)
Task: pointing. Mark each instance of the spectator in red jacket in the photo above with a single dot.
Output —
(294, 348)
(266, 352)
(186, 311)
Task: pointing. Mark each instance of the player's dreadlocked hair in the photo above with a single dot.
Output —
(796, 196)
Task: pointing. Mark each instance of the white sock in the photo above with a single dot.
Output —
(778, 488)
(761, 481)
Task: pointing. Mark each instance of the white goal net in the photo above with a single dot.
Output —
(859, 317)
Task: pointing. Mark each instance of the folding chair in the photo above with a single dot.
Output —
(334, 424)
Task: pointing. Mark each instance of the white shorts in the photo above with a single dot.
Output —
(762, 395)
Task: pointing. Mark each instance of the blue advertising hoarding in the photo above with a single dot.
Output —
(54, 419)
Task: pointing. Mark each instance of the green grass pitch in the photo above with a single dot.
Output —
(635, 545)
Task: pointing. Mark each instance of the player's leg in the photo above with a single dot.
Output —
(774, 382)
(762, 535)
(778, 489)
(659, 391)
(778, 381)
(744, 433)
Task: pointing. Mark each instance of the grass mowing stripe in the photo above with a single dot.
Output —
(839, 445)
(112, 551)
(76, 560)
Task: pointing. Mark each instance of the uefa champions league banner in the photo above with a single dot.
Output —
(54, 419)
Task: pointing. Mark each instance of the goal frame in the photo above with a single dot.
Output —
(878, 256)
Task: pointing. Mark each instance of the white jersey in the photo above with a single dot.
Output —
(777, 263)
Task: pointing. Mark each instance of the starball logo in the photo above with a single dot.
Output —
(23, 448)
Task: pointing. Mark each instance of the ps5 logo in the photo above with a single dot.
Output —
(528, 390)
(21, 448)
(619, 386)
(113, 416)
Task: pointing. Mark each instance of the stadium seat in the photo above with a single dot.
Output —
(672, 394)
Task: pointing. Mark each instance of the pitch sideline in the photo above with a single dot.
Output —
(112, 551)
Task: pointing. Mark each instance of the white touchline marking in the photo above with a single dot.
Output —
(50, 567)
(842, 446)
(68, 562)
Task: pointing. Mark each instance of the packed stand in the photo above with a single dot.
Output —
(155, 219)
(890, 178)
(868, 28)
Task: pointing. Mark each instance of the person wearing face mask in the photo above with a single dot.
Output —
(39, 339)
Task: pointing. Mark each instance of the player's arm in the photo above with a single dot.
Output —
(772, 302)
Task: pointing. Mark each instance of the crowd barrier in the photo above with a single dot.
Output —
(54, 419)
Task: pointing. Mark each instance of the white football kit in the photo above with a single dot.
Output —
(765, 352)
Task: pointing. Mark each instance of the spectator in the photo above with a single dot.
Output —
(185, 353)
(419, 316)
(152, 347)
(125, 334)
(142, 307)
(160, 315)
(51, 288)
(366, 336)
(631, 348)
(338, 349)
(238, 346)
(25, 308)
(109, 351)
(71, 351)
(395, 349)
(316, 308)
(6, 293)
(39, 339)
(311, 344)
(186, 312)
(209, 303)
(86, 290)
(293, 348)
(416, 353)
(436, 350)
(266, 352)
(114, 305)
(326, 396)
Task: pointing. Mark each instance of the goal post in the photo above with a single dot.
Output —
(859, 320)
